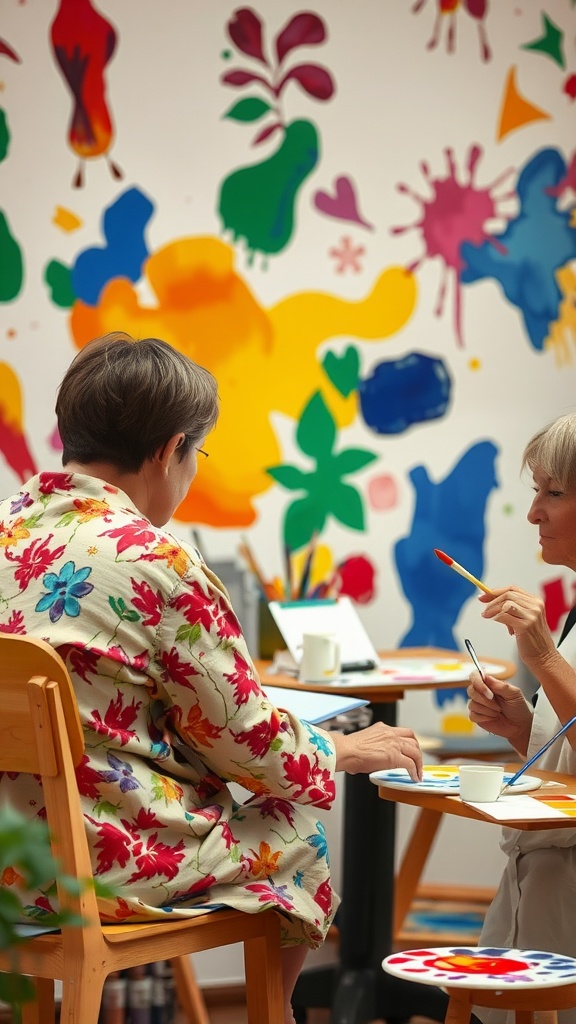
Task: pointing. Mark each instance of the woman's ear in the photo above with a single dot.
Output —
(165, 454)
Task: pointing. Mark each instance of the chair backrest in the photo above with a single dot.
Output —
(41, 733)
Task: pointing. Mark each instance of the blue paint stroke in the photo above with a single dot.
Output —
(125, 250)
(450, 516)
(536, 244)
(405, 391)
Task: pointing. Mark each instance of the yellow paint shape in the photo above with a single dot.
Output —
(66, 220)
(457, 725)
(10, 399)
(266, 361)
(516, 111)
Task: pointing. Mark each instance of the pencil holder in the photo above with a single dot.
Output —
(270, 638)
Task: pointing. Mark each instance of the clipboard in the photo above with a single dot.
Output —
(335, 615)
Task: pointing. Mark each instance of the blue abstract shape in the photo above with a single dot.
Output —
(124, 252)
(533, 247)
(404, 391)
(450, 516)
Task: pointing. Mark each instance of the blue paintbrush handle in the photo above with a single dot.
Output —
(541, 751)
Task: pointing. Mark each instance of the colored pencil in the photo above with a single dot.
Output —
(462, 572)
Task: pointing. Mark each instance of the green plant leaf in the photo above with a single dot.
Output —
(343, 371)
(351, 459)
(303, 518)
(316, 431)
(346, 506)
(290, 477)
(249, 109)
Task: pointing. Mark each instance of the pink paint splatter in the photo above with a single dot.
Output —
(382, 492)
(446, 11)
(54, 440)
(455, 214)
(347, 255)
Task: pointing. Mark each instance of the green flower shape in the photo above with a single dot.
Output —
(326, 493)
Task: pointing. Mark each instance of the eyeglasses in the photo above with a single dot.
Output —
(202, 452)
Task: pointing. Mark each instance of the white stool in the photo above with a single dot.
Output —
(524, 980)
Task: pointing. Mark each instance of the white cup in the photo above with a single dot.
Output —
(480, 783)
(320, 658)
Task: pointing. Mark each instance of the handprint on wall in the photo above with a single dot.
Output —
(257, 203)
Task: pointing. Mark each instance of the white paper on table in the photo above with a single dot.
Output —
(310, 706)
(524, 806)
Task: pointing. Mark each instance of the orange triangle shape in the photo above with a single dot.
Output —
(516, 111)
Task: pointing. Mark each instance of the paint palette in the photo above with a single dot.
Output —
(431, 670)
(485, 967)
(443, 779)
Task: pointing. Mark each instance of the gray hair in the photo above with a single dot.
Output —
(553, 449)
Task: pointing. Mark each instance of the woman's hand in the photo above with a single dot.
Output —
(501, 709)
(376, 748)
(524, 616)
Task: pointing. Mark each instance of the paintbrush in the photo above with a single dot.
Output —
(463, 572)
(538, 754)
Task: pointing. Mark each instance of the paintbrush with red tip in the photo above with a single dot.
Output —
(463, 572)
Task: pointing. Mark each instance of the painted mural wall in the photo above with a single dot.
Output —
(360, 217)
(359, 214)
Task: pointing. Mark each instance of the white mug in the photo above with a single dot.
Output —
(320, 658)
(480, 783)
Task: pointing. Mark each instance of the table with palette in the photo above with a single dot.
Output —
(357, 989)
(548, 798)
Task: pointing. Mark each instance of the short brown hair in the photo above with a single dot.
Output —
(553, 449)
(122, 399)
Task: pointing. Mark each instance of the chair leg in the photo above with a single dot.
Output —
(43, 1009)
(264, 989)
(82, 995)
(188, 990)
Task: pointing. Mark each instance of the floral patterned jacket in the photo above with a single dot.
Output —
(173, 712)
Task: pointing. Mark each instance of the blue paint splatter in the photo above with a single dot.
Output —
(449, 515)
(535, 245)
(124, 252)
(405, 391)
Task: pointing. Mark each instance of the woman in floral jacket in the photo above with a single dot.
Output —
(169, 699)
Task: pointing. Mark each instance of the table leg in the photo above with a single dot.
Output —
(357, 989)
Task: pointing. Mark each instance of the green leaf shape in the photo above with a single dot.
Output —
(325, 492)
(189, 634)
(4, 134)
(58, 277)
(352, 459)
(302, 520)
(316, 432)
(343, 371)
(250, 109)
(290, 477)
(347, 507)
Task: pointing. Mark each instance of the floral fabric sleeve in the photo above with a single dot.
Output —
(220, 709)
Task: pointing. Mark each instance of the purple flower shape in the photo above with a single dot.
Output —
(122, 772)
(64, 591)
(22, 501)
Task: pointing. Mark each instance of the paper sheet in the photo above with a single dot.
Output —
(311, 707)
(544, 807)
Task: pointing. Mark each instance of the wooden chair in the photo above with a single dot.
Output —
(40, 733)
(529, 982)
